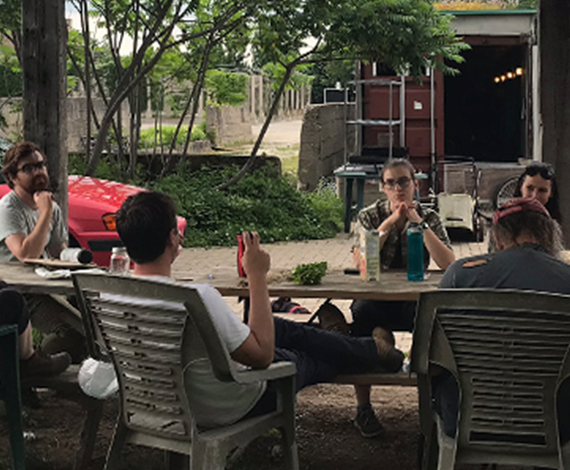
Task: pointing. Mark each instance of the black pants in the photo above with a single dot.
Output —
(391, 315)
(13, 308)
(319, 356)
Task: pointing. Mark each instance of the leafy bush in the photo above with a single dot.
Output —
(226, 87)
(262, 201)
(146, 140)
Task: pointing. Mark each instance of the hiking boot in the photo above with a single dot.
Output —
(42, 364)
(390, 357)
(67, 340)
(332, 319)
(367, 422)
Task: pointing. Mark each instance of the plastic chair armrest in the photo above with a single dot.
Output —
(275, 371)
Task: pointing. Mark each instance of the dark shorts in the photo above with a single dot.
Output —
(13, 308)
(391, 315)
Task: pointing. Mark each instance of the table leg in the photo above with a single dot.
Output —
(347, 204)
(359, 194)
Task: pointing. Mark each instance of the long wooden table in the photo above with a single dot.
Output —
(335, 285)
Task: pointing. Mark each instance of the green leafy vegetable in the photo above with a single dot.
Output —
(309, 274)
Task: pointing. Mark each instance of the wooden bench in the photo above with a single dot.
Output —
(401, 379)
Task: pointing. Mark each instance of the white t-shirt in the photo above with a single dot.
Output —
(215, 403)
(17, 217)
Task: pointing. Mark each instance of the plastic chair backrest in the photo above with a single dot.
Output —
(150, 338)
(508, 351)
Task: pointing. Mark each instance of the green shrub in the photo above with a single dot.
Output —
(262, 201)
(146, 140)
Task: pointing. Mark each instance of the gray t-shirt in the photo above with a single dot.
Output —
(17, 217)
(527, 266)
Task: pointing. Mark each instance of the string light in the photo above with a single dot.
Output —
(509, 75)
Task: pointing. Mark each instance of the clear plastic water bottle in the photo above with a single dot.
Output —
(120, 261)
(415, 252)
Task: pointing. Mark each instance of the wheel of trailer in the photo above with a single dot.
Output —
(505, 192)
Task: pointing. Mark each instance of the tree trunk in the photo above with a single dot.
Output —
(45, 86)
(554, 37)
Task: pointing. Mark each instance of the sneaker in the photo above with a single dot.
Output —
(367, 422)
(42, 364)
(332, 319)
(390, 357)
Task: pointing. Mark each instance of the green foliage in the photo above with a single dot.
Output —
(11, 79)
(147, 136)
(107, 170)
(309, 274)
(276, 72)
(527, 4)
(327, 74)
(262, 201)
(226, 87)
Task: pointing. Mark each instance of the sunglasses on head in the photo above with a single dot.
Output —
(545, 171)
(32, 167)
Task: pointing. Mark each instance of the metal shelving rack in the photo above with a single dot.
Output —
(360, 122)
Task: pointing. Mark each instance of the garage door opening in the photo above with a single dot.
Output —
(484, 105)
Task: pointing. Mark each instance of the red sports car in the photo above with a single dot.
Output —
(92, 206)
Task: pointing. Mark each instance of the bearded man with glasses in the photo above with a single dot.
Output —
(32, 226)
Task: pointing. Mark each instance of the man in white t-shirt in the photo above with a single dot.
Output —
(147, 226)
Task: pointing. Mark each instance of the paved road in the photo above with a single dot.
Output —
(280, 132)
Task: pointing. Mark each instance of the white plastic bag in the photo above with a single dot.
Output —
(97, 379)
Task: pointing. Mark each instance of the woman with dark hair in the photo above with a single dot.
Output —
(538, 181)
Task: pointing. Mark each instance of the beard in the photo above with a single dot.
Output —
(38, 183)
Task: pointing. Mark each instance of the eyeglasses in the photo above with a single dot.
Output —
(402, 182)
(545, 171)
(30, 168)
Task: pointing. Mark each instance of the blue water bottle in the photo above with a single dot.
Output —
(415, 252)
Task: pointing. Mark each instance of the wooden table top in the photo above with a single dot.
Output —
(335, 285)
(27, 281)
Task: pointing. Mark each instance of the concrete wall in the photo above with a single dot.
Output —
(229, 124)
(322, 143)
(76, 120)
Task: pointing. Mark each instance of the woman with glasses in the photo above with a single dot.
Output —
(538, 181)
(391, 218)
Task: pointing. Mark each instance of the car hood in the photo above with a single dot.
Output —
(110, 193)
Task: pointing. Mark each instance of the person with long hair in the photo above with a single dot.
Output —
(538, 181)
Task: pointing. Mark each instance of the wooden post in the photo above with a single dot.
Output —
(554, 40)
(45, 81)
